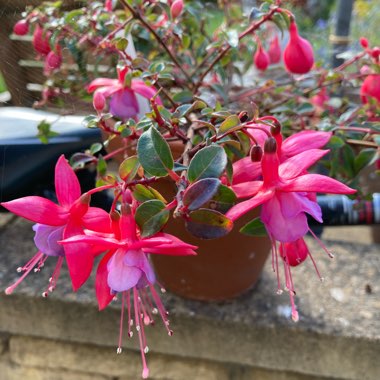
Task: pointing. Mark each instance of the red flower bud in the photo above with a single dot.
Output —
(99, 101)
(270, 145)
(274, 51)
(261, 58)
(108, 5)
(256, 153)
(41, 41)
(370, 88)
(375, 52)
(176, 8)
(54, 60)
(298, 54)
(21, 28)
(363, 42)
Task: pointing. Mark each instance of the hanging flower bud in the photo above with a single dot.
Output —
(21, 28)
(270, 145)
(370, 88)
(41, 41)
(363, 42)
(99, 101)
(274, 51)
(256, 153)
(375, 53)
(261, 58)
(176, 8)
(298, 53)
(54, 60)
(108, 5)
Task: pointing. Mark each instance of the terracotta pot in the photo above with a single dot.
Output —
(224, 268)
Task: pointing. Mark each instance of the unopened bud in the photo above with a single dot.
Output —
(99, 101)
(270, 145)
(256, 153)
(376, 52)
(176, 8)
(363, 42)
(54, 60)
(275, 129)
(21, 28)
(243, 116)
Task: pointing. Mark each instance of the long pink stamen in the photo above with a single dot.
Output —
(139, 327)
(130, 320)
(315, 266)
(321, 244)
(27, 269)
(161, 309)
(279, 290)
(119, 348)
(289, 280)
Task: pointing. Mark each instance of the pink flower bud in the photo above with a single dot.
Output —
(176, 8)
(375, 53)
(363, 42)
(41, 41)
(21, 28)
(54, 60)
(365, 69)
(256, 153)
(261, 58)
(99, 101)
(298, 54)
(274, 51)
(108, 5)
(370, 88)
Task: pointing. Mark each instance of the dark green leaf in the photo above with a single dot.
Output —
(95, 148)
(231, 122)
(208, 224)
(154, 153)
(336, 142)
(200, 192)
(151, 216)
(254, 228)
(208, 162)
(183, 97)
(223, 200)
(363, 159)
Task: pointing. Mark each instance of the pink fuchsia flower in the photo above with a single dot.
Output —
(370, 88)
(41, 41)
(261, 58)
(286, 194)
(176, 8)
(53, 61)
(123, 100)
(125, 269)
(21, 28)
(298, 53)
(274, 50)
(245, 170)
(58, 221)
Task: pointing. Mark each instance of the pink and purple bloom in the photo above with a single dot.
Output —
(123, 101)
(125, 269)
(55, 222)
(286, 194)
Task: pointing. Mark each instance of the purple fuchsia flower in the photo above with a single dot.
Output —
(123, 100)
(125, 269)
(55, 222)
(286, 193)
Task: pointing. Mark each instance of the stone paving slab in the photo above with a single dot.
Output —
(338, 334)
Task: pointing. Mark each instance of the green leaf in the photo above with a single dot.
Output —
(44, 131)
(208, 224)
(101, 166)
(95, 148)
(128, 168)
(231, 122)
(72, 16)
(151, 216)
(208, 162)
(145, 193)
(336, 142)
(183, 97)
(200, 192)
(363, 159)
(304, 108)
(254, 228)
(154, 153)
(233, 38)
(223, 200)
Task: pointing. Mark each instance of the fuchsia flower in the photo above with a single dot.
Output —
(261, 58)
(123, 100)
(125, 268)
(41, 41)
(57, 222)
(21, 27)
(245, 170)
(286, 194)
(370, 88)
(274, 50)
(176, 8)
(298, 53)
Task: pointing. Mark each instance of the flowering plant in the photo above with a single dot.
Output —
(241, 146)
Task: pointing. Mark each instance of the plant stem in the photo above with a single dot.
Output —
(226, 49)
(146, 24)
